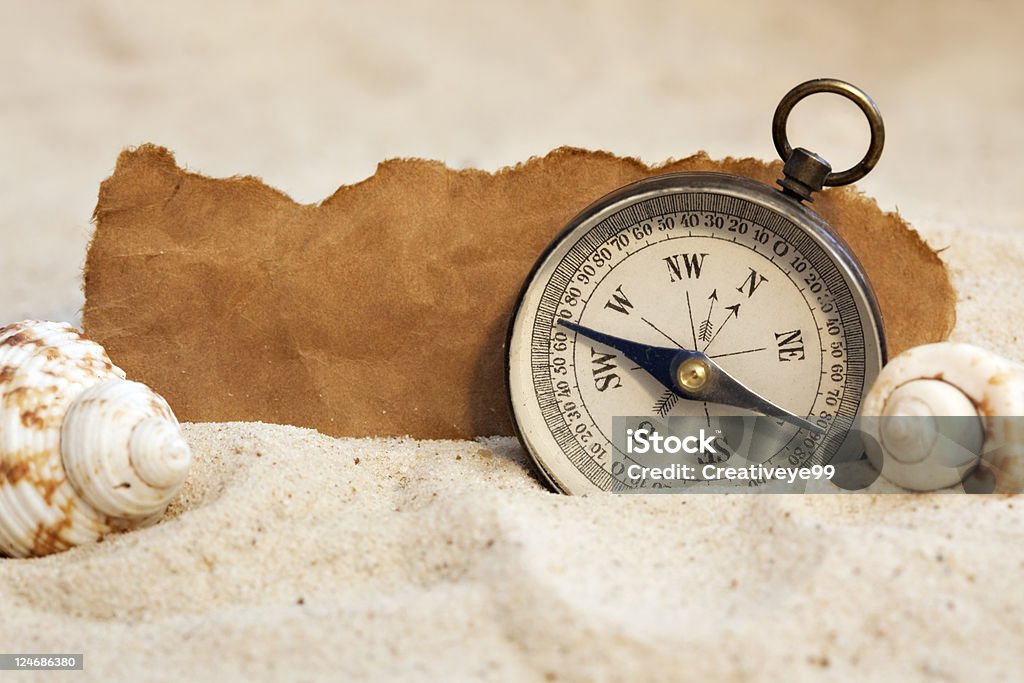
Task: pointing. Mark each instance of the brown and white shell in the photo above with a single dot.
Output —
(83, 451)
(942, 409)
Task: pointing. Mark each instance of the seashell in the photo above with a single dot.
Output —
(83, 451)
(943, 409)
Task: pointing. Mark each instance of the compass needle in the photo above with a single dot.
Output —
(656, 360)
(669, 366)
(732, 392)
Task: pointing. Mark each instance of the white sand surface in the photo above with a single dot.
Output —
(293, 556)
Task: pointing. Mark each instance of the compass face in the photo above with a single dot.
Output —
(706, 263)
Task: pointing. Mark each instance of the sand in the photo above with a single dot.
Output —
(293, 556)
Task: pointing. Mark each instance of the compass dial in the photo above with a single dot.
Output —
(710, 267)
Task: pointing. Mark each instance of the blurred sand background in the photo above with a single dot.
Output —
(287, 558)
(310, 95)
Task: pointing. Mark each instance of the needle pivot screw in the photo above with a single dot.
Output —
(693, 374)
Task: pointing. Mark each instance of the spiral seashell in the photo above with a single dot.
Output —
(941, 410)
(83, 451)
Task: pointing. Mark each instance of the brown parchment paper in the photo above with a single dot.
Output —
(383, 310)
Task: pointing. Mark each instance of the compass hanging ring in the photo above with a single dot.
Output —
(808, 169)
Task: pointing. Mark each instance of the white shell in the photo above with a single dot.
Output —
(83, 451)
(913, 447)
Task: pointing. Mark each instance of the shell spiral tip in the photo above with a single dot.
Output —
(159, 453)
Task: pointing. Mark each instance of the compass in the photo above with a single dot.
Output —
(698, 294)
